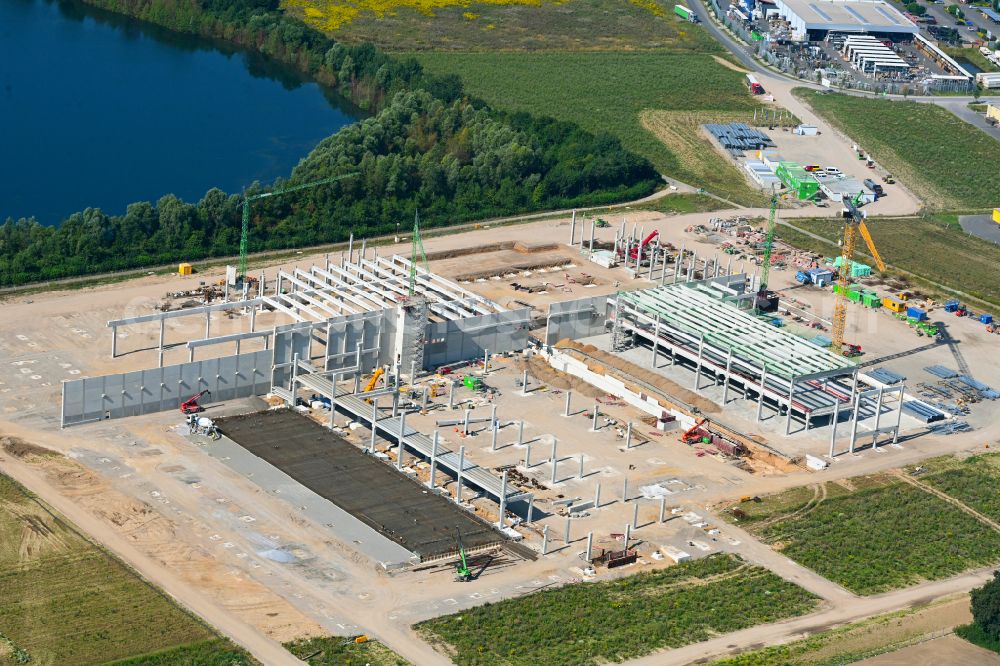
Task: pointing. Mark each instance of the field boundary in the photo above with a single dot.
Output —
(948, 498)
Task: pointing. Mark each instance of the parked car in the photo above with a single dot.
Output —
(833, 171)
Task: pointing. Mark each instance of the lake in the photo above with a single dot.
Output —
(97, 110)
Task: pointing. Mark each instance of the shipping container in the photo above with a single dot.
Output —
(893, 303)
(185, 269)
(685, 13)
(916, 313)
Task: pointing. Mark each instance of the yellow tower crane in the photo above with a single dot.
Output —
(855, 223)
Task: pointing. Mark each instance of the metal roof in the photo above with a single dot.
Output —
(867, 15)
(698, 310)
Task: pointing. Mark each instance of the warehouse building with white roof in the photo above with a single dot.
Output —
(813, 19)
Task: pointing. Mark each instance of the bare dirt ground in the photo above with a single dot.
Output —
(948, 649)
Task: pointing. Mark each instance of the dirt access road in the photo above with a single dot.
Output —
(842, 612)
(268, 651)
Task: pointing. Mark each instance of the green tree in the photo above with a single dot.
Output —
(986, 607)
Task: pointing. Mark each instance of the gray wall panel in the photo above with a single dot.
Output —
(580, 318)
(163, 389)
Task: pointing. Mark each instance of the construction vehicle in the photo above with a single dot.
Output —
(241, 276)
(374, 380)
(767, 301)
(639, 253)
(601, 224)
(462, 572)
(855, 224)
(191, 406)
(356, 640)
(695, 433)
(850, 350)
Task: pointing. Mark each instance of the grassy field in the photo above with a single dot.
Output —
(596, 623)
(934, 248)
(949, 163)
(63, 601)
(857, 641)
(872, 534)
(211, 652)
(634, 96)
(502, 25)
(973, 481)
(331, 651)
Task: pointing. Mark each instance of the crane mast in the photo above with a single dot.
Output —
(854, 225)
(762, 302)
(245, 226)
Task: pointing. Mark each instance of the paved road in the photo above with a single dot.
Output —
(961, 109)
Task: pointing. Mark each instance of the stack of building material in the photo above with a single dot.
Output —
(887, 377)
(922, 411)
(738, 137)
(941, 371)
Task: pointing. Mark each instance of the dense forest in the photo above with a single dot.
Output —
(426, 146)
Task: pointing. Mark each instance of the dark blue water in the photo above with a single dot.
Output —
(100, 111)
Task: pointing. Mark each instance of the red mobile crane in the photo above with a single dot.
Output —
(640, 251)
(191, 406)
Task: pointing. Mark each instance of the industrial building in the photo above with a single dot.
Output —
(871, 56)
(812, 20)
(699, 325)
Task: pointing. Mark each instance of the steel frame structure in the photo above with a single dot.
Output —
(324, 292)
(691, 322)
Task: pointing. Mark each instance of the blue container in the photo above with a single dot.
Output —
(950, 306)
(916, 313)
(802, 278)
(985, 319)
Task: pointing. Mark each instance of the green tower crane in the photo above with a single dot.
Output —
(416, 244)
(245, 232)
(762, 302)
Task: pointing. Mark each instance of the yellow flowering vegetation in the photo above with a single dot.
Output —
(329, 15)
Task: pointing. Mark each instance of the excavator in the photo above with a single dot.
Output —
(191, 406)
(374, 380)
(462, 572)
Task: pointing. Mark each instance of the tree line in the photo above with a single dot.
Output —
(426, 147)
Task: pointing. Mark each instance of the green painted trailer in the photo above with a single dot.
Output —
(684, 13)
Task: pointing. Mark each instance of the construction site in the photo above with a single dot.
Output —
(327, 430)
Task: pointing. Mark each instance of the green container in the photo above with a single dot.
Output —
(871, 299)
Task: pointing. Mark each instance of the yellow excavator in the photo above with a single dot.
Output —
(374, 380)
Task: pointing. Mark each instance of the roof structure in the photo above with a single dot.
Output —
(697, 309)
(846, 16)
